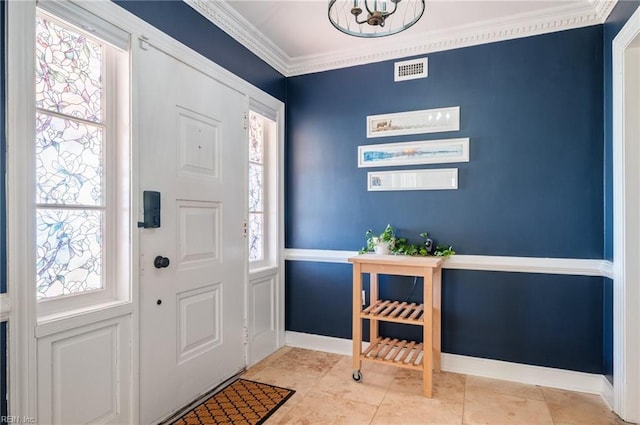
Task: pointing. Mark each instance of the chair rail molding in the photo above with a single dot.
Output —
(565, 266)
(5, 307)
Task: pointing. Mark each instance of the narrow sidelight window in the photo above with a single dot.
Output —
(76, 149)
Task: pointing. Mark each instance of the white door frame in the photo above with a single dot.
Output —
(626, 222)
(20, 226)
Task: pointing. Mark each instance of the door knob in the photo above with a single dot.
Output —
(161, 262)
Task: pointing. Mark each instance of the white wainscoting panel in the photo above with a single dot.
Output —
(85, 375)
(262, 333)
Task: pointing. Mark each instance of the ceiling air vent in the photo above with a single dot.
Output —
(411, 70)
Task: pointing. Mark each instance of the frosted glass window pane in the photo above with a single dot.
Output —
(256, 237)
(68, 71)
(256, 140)
(256, 174)
(69, 252)
(68, 162)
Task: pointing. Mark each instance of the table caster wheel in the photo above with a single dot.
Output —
(357, 376)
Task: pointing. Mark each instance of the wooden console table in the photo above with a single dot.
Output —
(423, 356)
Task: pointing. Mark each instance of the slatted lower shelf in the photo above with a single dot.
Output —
(395, 311)
(407, 354)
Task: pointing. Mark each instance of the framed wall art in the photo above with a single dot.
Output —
(414, 153)
(438, 179)
(414, 122)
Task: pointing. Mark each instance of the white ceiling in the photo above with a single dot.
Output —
(296, 37)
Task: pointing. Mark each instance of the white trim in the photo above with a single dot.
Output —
(495, 369)
(607, 393)
(228, 20)
(576, 15)
(565, 266)
(5, 307)
(626, 202)
(21, 225)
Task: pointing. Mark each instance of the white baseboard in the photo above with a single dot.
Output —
(496, 369)
(607, 394)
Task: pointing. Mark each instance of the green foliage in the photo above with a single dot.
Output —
(388, 235)
(400, 246)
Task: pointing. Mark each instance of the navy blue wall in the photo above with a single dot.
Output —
(183, 23)
(533, 187)
(616, 20)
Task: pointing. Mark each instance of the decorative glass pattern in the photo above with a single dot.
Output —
(68, 162)
(68, 71)
(69, 251)
(256, 187)
(256, 174)
(256, 140)
(256, 236)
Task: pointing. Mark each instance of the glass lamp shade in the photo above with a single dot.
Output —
(374, 18)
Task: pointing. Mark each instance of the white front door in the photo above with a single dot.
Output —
(192, 151)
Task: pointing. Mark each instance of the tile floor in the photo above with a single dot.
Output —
(326, 394)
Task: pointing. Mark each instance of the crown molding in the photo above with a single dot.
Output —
(561, 18)
(603, 8)
(231, 22)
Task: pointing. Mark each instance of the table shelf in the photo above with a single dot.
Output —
(407, 354)
(396, 312)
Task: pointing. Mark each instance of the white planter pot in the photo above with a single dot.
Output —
(383, 248)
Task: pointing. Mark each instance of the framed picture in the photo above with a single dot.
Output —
(414, 122)
(414, 153)
(438, 179)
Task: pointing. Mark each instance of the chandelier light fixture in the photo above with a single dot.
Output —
(374, 18)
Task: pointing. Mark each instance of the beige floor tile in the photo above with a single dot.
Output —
(405, 409)
(572, 408)
(319, 409)
(371, 389)
(300, 382)
(479, 384)
(446, 386)
(490, 408)
(306, 361)
(268, 360)
(326, 394)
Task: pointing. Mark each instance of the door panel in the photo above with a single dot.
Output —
(192, 150)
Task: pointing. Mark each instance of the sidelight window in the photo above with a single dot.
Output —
(81, 199)
(261, 220)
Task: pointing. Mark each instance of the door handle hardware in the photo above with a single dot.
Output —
(161, 262)
(151, 205)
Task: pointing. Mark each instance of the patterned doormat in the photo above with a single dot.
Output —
(242, 402)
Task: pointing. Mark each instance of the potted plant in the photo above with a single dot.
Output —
(387, 243)
(384, 243)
